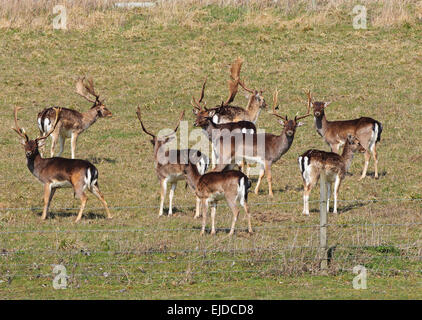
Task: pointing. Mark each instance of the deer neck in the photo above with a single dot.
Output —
(253, 109)
(192, 176)
(347, 156)
(283, 144)
(208, 128)
(34, 162)
(321, 124)
(89, 117)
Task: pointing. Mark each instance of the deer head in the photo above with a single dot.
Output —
(31, 146)
(85, 89)
(317, 106)
(289, 125)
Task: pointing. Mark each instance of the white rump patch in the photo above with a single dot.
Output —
(241, 191)
(374, 137)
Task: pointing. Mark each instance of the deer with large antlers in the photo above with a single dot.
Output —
(57, 172)
(330, 167)
(71, 122)
(213, 131)
(169, 164)
(214, 186)
(226, 112)
(367, 130)
(262, 148)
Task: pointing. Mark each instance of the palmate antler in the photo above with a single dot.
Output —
(84, 89)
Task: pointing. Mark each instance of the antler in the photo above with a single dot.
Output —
(197, 104)
(177, 127)
(242, 84)
(58, 110)
(138, 113)
(83, 89)
(18, 130)
(275, 99)
(308, 93)
(234, 82)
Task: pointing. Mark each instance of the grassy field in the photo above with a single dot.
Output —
(148, 59)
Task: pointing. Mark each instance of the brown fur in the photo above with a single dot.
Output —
(335, 133)
(212, 185)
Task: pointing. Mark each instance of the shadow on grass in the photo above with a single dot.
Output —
(65, 214)
(96, 160)
(342, 209)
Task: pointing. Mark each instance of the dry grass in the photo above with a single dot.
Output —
(87, 14)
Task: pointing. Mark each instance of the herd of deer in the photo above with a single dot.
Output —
(224, 125)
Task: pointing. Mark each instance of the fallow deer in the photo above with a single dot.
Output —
(367, 130)
(213, 131)
(330, 166)
(169, 164)
(262, 148)
(226, 112)
(71, 122)
(57, 172)
(214, 186)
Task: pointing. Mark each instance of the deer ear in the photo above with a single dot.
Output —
(326, 104)
(281, 122)
(300, 124)
(211, 113)
(195, 111)
(41, 143)
(22, 142)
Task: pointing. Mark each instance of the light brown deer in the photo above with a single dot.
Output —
(214, 186)
(226, 112)
(330, 166)
(367, 130)
(71, 122)
(262, 148)
(57, 172)
(169, 164)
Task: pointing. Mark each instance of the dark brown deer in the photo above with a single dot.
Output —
(262, 148)
(214, 186)
(367, 130)
(169, 164)
(57, 172)
(330, 166)
(71, 122)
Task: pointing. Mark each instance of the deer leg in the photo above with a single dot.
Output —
(171, 194)
(204, 205)
(235, 211)
(163, 195)
(61, 145)
(83, 198)
(261, 174)
(306, 192)
(337, 183)
(48, 195)
(365, 167)
(73, 140)
(197, 211)
(248, 215)
(96, 191)
(213, 210)
(269, 179)
(375, 156)
(53, 144)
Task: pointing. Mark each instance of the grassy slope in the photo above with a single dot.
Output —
(373, 73)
